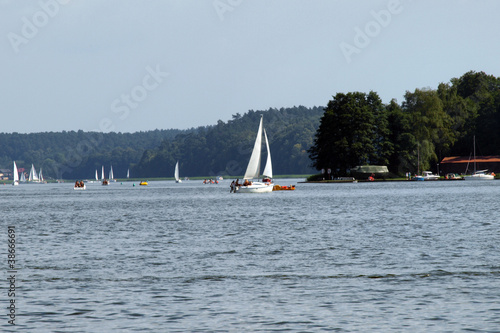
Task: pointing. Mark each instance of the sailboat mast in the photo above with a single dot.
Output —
(474, 140)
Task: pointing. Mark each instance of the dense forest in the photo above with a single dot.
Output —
(354, 129)
(225, 148)
(73, 154)
(357, 129)
(222, 149)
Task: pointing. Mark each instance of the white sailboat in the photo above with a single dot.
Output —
(40, 176)
(479, 174)
(96, 175)
(33, 177)
(176, 173)
(111, 176)
(15, 175)
(128, 173)
(253, 168)
(103, 179)
(22, 179)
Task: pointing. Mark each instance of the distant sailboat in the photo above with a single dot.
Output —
(40, 176)
(22, 178)
(128, 173)
(176, 173)
(15, 175)
(33, 177)
(104, 180)
(96, 175)
(111, 176)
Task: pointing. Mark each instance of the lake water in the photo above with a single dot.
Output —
(394, 256)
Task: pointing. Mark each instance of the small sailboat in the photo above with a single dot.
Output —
(33, 177)
(253, 168)
(176, 173)
(479, 174)
(96, 175)
(103, 179)
(40, 177)
(128, 173)
(15, 175)
(22, 179)
(111, 176)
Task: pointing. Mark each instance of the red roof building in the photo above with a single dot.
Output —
(459, 164)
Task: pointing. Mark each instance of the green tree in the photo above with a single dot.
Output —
(353, 131)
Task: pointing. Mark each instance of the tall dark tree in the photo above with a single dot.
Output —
(353, 131)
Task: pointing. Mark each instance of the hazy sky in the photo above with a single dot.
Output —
(128, 65)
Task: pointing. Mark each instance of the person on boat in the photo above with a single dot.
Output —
(77, 184)
(232, 187)
(246, 182)
(237, 184)
(81, 183)
(266, 180)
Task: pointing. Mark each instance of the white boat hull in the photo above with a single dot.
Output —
(255, 188)
(479, 177)
(15, 183)
(80, 188)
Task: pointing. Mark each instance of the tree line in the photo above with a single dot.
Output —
(430, 124)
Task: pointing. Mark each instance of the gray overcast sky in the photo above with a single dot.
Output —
(128, 65)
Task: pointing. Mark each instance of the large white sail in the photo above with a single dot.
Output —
(253, 167)
(15, 175)
(111, 177)
(102, 173)
(268, 169)
(96, 175)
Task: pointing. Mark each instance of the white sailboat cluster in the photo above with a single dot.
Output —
(33, 177)
(253, 168)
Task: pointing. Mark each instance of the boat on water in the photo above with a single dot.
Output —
(15, 175)
(22, 178)
(428, 175)
(143, 183)
(453, 176)
(283, 188)
(111, 175)
(176, 173)
(478, 174)
(128, 173)
(104, 181)
(33, 176)
(79, 186)
(253, 168)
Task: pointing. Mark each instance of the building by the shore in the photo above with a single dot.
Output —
(462, 165)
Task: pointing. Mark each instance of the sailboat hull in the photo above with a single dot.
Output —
(255, 188)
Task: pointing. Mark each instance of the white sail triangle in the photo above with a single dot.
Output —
(253, 167)
(268, 169)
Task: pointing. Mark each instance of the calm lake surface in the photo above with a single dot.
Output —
(394, 256)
